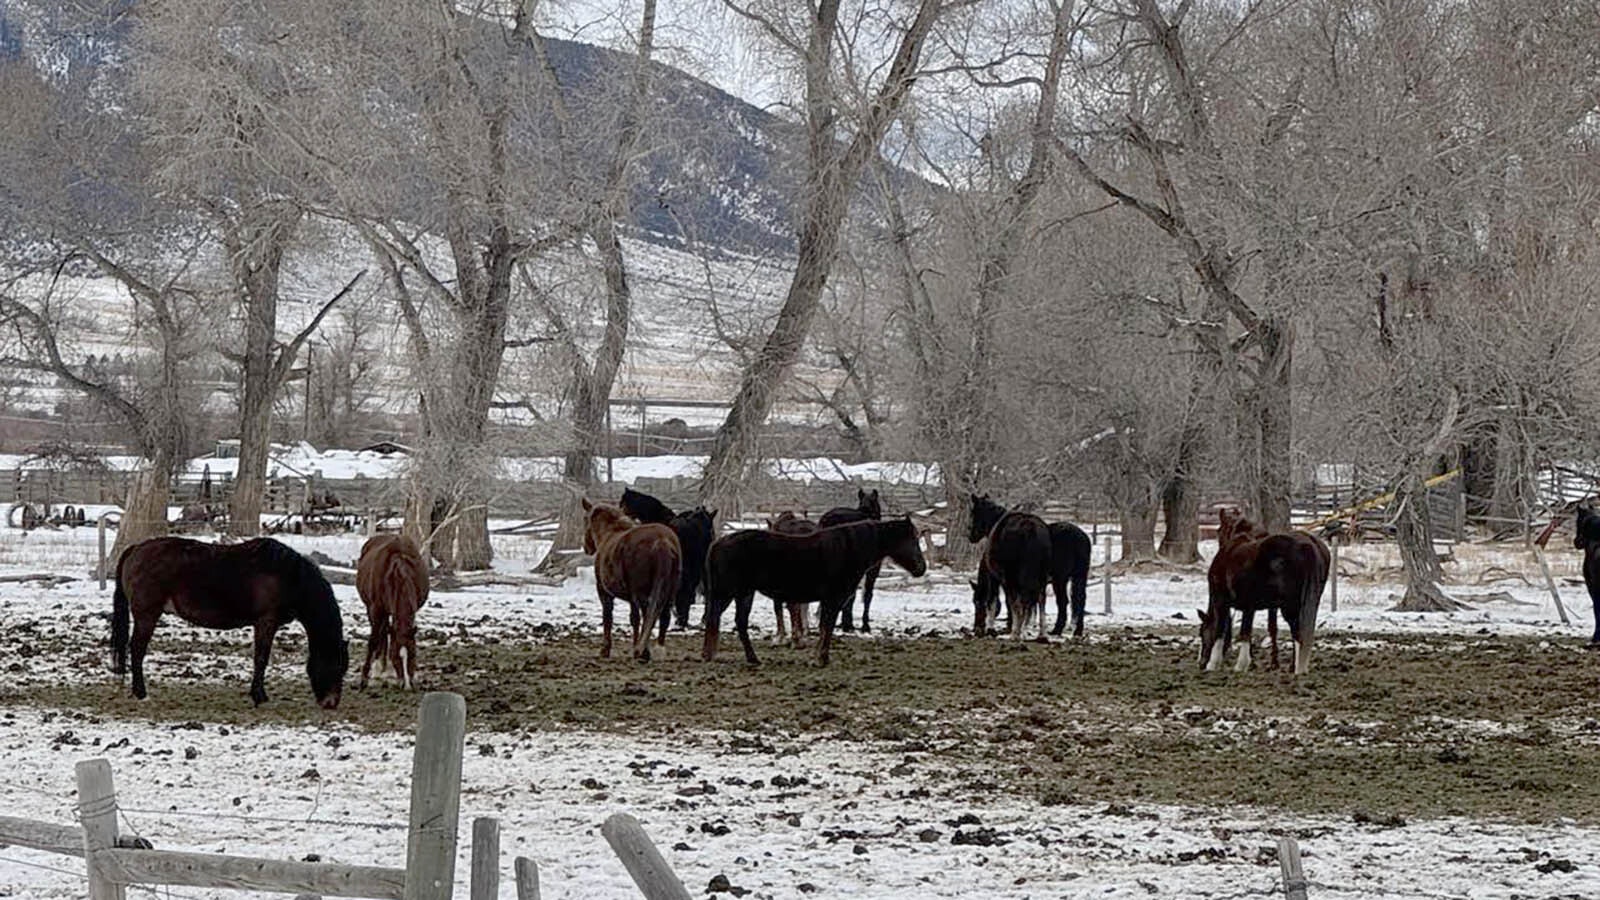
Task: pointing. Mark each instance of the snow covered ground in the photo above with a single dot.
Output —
(846, 819)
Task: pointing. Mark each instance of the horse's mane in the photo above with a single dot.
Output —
(317, 608)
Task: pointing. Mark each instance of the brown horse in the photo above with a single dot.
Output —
(392, 579)
(789, 522)
(259, 583)
(641, 564)
(1254, 570)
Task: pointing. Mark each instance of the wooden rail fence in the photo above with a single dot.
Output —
(113, 861)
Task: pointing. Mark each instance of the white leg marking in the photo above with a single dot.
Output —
(1244, 657)
(1302, 658)
(1215, 662)
(405, 665)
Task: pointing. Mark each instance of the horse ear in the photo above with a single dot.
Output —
(860, 494)
(586, 504)
(1200, 614)
(973, 583)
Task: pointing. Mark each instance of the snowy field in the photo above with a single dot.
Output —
(781, 814)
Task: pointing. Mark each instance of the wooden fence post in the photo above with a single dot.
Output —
(97, 809)
(1294, 880)
(643, 861)
(435, 797)
(527, 879)
(1105, 575)
(485, 858)
(101, 528)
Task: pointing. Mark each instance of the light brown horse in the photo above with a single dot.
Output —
(640, 564)
(392, 579)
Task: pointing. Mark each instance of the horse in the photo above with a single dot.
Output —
(868, 506)
(821, 568)
(789, 523)
(1017, 558)
(392, 579)
(641, 564)
(260, 583)
(1070, 550)
(1253, 570)
(1587, 539)
(696, 529)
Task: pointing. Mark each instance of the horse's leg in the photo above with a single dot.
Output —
(682, 607)
(1223, 637)
(605, 623)
(375, 646)
(1591, 580)
(265, 632)
(143, 628)
(797, 625)
(867, 585)
(1016, 606)
(713, 623)
(780, 611)
(1246, 619)
(633, 622)
(1058, 586)
(827, 617)
(741, 619)
(1272, 634)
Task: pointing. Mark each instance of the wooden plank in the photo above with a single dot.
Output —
(1105, 576)
(97, 810)
(643, 861)
(435, 797)
(1544, 567)
(485, 858)
(46, 836)
(527, 879)
(1294, 880)
(214, 870)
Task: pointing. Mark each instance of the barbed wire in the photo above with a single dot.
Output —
(81, 876)
(285, 820)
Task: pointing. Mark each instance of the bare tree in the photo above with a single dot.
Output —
(834, 166)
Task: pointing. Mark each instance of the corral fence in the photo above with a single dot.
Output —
(113, 862)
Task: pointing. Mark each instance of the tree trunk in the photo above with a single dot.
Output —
(1138, 532)
(959, 553)
(1180, 504)
(1414, 533)
(144, 514)
(1274, 397)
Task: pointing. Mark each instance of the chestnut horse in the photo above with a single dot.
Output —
(392, 579)
(1017, 558)
(821, 568)
(640, 564)
(696, 529)
(1256, 570)
(1587, 539)
(790, 523)
(259, 583)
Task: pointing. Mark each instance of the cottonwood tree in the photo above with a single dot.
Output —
(847, 114)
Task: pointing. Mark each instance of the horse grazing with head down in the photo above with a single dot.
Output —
(1016, 559)
(821, 568)
(392, 579)
(1070, 550)
(259, 583)
(868, 508)
(696, 529)
(1587, 539)
(640, 564)
(1255, 570)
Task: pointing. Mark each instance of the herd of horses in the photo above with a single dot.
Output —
(656, 561)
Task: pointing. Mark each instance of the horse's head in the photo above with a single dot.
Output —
(602, 520)
(704, 521)
(1233, 526)
(1588, 529)
(644, 508)
(905, 546)
(868, 503)
(326, 672)
(985, 513)
(1212, 629)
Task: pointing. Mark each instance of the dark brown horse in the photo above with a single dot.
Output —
(1070, 551)
(696, 529)
(640, 564)
(1255, 570)
(1587, 539)
(1017, 559)
(821, 568)
(868, 507)
(789, 523)
(259, 583)
(392, 579)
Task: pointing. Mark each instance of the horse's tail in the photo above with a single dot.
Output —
(1310, 599)
(662, 595)
(121, 617)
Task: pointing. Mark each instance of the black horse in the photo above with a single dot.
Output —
(259, 583)
(821, 568)
(1070, 550)
(1588, 540)
(695, 530)
(868, 508)
(1017, 559)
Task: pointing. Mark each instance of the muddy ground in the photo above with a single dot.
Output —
(1384, 728)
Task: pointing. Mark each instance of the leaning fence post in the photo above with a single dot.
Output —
(1550, 582)
(1294, 880)
(97, 808)
(527, 879)
(1105, 575)
(435, 797)
(1334, 575)
(485, 858)
(643, 861)
(101, 528)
